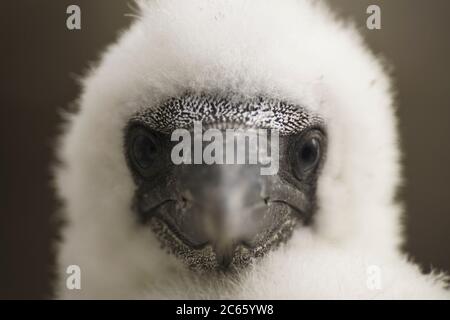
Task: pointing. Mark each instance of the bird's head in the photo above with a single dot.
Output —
(226, 203)
(287, 68)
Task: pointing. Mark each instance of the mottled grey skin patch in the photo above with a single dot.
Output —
(224, 112)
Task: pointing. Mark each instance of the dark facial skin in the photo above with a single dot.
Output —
(193, 209)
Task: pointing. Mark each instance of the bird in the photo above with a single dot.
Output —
(326, 225)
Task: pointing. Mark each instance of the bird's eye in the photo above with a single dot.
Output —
(307, 153)
(144, 151)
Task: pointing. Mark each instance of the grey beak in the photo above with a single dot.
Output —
(225, 207)
(229, 206)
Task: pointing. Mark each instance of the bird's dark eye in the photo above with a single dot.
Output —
(144, 151)
(307, 153)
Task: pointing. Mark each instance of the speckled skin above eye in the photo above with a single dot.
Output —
(221, 111)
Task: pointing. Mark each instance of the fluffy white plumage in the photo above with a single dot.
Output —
(293, 50)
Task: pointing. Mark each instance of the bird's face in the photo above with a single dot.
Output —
(220, 216)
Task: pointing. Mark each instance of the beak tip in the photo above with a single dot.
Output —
(224, 256)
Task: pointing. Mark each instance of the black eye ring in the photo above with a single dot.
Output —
(144, 151)
(307, 153)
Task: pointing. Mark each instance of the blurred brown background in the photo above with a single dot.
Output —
(40, 60)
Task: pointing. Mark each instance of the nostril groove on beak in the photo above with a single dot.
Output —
(185, 199)
(184, 202)
(224, 254)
